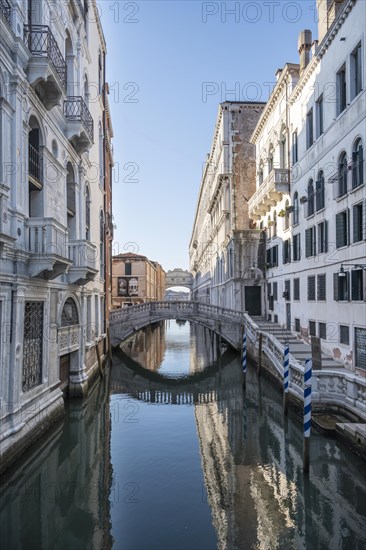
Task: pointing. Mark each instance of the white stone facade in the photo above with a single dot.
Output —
(52, 210)
(224, 250)
(312, 135)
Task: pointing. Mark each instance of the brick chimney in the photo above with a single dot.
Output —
(304, 46)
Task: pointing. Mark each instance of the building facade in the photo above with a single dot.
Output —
(136, 280)
(226, 251)
(310, 196)
(52, 234)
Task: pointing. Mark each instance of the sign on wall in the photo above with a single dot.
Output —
(128, 286)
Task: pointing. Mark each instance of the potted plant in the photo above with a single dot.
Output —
(281, 213)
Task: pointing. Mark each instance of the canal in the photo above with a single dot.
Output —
(169, 453)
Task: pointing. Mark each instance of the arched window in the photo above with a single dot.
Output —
(342, 174)
(287, 215)
(310, 197)
(87, 213)
(101, 243)
(35, 172)
(274, 232)
(270, 159)
(71, 201)
(260, 173)
(320, 192)
(69, 314)
(357, 164)
(295, 212)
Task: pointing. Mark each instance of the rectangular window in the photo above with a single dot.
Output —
(275, 318)
(309, 129)
(275, 291)
(360, 348)
(287, 251)
(322, 327)
(322, 237)
(128, 269)
(319, 117)
(296, 289)
(295, 154)
(344, 334)
(358, 222)
(272, 256)
(357, 285)
(322, 287)
(342, 228)
(312, 328)
(269, 289)
(297, 325)
(310, 242)
(296, 247)
(341, 90)
(311, 287)
(287, 292)
(356, 72)
(32, 345)
(341, 287)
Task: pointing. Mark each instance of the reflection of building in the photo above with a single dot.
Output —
(310, 196)
(136, 280)
(226, 253)
(148, 346)
(52, 210)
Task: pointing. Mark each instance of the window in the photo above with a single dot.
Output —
(128, 269)
(322, 237)
(260, 174)
(311, 287)
(319, 117)
(357, 284)
(295, 152)
(310, 191)
(272, 256)
(358, 222)
(287, 292)
(296, 247)
(344, 334)
(32, 345)
(322, 288)
(320, 199)
(275, 318)
(360, 348)
(297, 325)
(310, 242)
(342, 175)
(87, 213)
(309, 129)
(275, 291)
(342, 228)
(295, 210)
(356, 72)
(312, 328)
(296, 289)
(270, 159)
(341, 286)
(341, 90)
(357, 164)
(274, 224)
(322, 327)
(287, 251)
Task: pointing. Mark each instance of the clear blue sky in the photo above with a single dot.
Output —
(160, 55)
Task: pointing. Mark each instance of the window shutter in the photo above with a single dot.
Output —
(360, 164)
(335, 287)
(268, 256)
(289, 250)
(325, 236)
(353, 285)
(356, 223)
(347, 227)
(307, 243)
(339, 230)
(275, 255)
(347, 297)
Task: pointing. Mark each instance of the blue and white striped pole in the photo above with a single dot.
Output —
(244, 361)
(286, 373)
(307, 412)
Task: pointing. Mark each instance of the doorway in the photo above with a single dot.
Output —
(253, 300)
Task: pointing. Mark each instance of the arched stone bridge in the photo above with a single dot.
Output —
(225, 322)
(178, 277)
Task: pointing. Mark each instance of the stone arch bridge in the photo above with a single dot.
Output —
(178, 277)
(226, 323)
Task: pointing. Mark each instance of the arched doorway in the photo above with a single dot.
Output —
(69, 341)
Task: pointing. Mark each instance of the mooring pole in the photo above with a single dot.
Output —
(286, 371)
(244, 362)
(307, 413)
(260, 343)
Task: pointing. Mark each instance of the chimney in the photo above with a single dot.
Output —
(304, 46)
(327, 13)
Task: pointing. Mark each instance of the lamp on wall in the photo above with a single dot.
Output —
(342, 273)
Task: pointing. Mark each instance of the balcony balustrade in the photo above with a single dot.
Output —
(47, 66)
(68, 339)
(269, 193)
(47, 245)
(84, 262)
(80, 125)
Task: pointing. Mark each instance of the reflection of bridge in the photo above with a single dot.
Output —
(179, 277)
(207, 386)
(225, 322)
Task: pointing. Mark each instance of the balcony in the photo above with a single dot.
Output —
(269, 193)
(84, 257)
(47, 66)
(47, 245)
(80, 126)
(68, 339)
(5, 10)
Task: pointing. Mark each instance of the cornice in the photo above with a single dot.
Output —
(336, 25)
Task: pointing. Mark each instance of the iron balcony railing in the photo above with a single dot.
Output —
(75, 108)
(5, 10)
(35, 163)
(42, 43)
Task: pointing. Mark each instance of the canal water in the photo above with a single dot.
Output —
(169, 453)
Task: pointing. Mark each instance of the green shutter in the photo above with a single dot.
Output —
(335, 287)
(307, 243)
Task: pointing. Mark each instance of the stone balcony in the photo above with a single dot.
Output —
(68, 339)
(269, 193)
(79, 124)
(47, 248)
(5, 229)
(46, 66)
(84, 257)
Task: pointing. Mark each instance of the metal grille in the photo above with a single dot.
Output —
(33, 345)
(360, 345)
(296, 289)
(5, 10)
(344, 334)
(42, 43)
(311, 287)
(322, 287)
(75, 108)
(34, 164)
(323, 331)
(69, 314)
